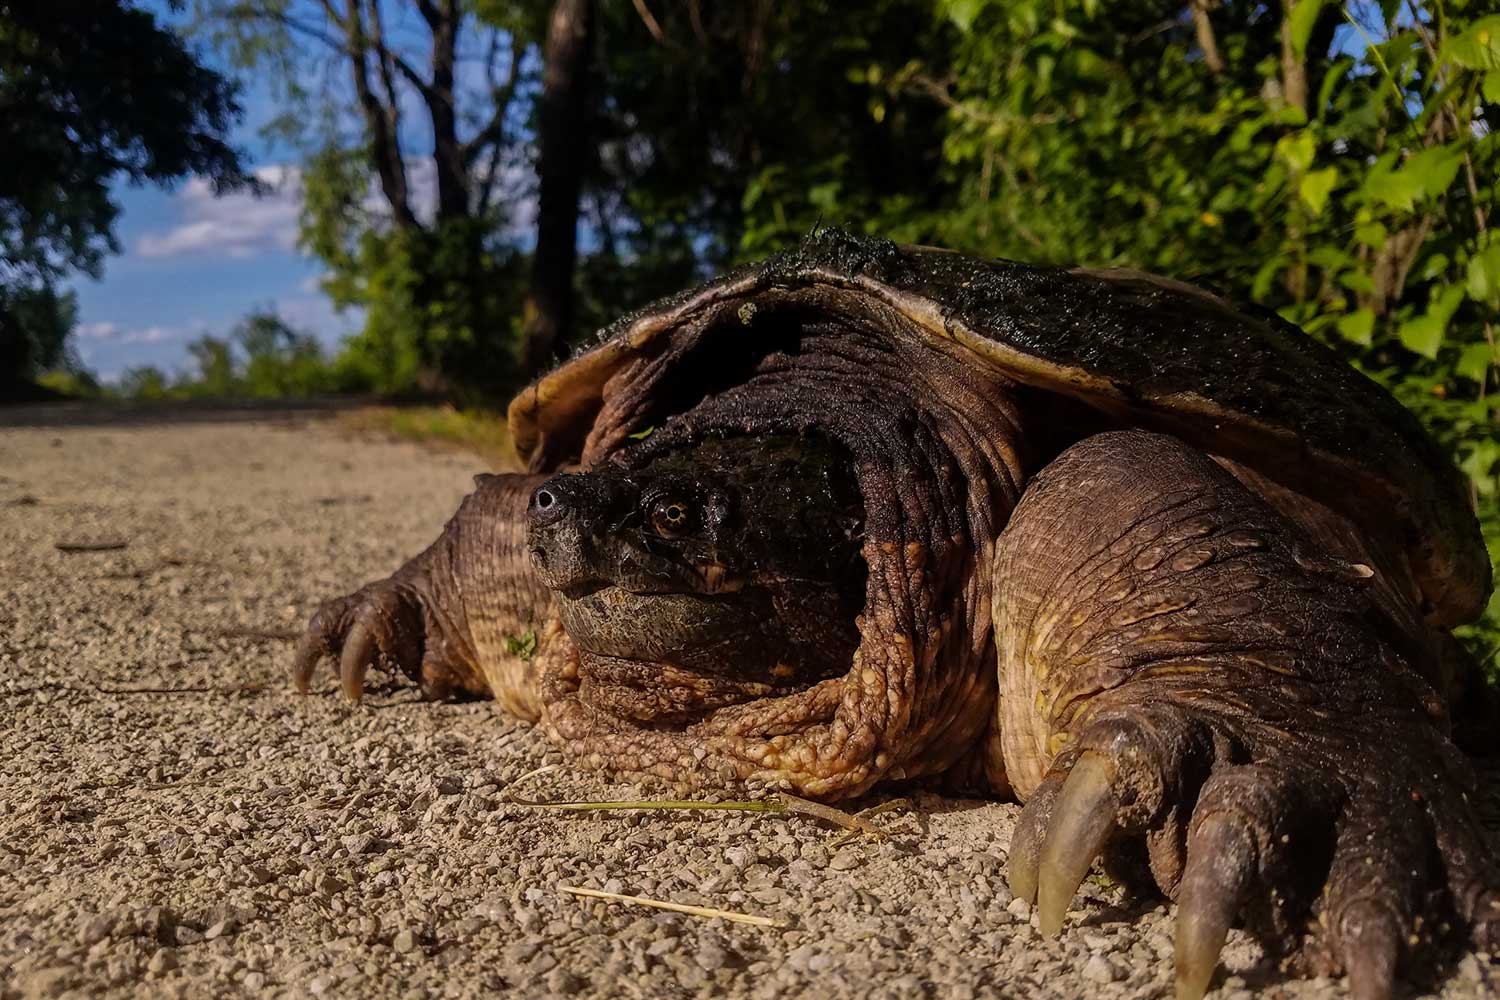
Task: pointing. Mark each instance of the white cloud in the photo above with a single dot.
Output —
(241, 225)
(233, 225)
(111, 333)
(97, 331)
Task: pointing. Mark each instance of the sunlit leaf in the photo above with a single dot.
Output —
(963, 12)
(1424, 175)
(1357, 327)
(1484, 276)
(1478, 47)
(1296, 151)
(1475, 361)
(1424, 334)
(1316, 186)
(1304, 14)
(1371, 234)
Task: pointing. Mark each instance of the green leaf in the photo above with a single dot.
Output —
(523, 645)
(1424, 334)
(1303, 15)
(1424, 175)
(963, 12)
(1329, 258)
(1296, 151)
(1484, 276)
(1475, 361)
(1357, 326)
(1478, 47)
(1371, 234)
(1491, 87)
(1316, 186)
(1358, 281)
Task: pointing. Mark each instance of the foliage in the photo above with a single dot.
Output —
(409, 218)
(729, 130)
(1342, 172)
(90, 94)
(437, 301)
(34, 325)
(263, 357)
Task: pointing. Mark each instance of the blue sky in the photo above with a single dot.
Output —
(192, 263)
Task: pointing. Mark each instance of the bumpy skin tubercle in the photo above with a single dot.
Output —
(1222, 693)
(466, 617)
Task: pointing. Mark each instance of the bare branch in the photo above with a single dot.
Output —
(1293, 69)
(654, 26)
(695, 18)
(429, 12)
(385, 144)
(501, 95)
(383, 59)
(1204, 27)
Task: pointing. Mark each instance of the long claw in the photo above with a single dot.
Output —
(359, 649)
(1081, 822)
(1026, 841)
(1371, 941)
(309, 651)
(1221, 859)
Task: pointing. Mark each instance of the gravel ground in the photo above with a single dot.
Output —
(174, 822)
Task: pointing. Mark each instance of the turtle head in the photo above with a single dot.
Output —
(712, 575)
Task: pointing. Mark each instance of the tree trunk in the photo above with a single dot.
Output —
(563, 134)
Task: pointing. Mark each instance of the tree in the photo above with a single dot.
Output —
(564, 137)
(427, 256)
(90, 93)
(1333, 162)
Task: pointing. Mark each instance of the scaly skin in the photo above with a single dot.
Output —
(1191, 657)
(466, 617)
(1184, 668)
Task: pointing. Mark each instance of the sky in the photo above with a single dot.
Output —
(192, 263)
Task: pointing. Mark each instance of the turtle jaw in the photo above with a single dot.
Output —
(673, 658)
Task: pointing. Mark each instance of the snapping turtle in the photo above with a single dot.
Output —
(1171, 574)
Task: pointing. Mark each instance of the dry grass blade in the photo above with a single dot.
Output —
(661, 904)
(632, 804)
(828, 814)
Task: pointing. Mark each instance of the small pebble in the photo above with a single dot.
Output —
(1098, 969)
(404, 942)
(165, 960)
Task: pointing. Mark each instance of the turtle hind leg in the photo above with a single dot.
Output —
(1180, 668)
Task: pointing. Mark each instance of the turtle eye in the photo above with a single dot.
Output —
(671, 517)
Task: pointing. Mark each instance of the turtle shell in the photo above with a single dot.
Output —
(1142, 349)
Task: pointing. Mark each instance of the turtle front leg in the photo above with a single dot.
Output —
(467, 616)
(1180, 669)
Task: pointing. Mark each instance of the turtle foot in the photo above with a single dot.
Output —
(1342, 836)
(388, 624)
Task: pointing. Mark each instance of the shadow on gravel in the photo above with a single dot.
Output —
(74, 413)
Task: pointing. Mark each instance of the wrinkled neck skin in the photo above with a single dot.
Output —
(940, 462)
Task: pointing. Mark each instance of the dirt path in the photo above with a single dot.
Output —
(174, 822)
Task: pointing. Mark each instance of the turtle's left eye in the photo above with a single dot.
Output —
(671, 517)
